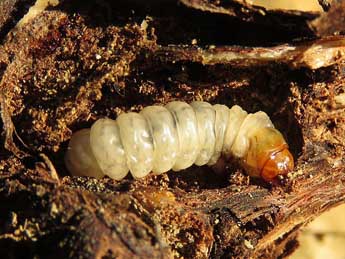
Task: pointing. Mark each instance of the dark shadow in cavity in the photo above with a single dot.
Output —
(174, 23)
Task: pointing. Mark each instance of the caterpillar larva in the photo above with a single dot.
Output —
(176, 136)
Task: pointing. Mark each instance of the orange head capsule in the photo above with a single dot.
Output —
(268, 155)
(279, 163)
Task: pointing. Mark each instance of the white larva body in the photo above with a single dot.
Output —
(160, 138)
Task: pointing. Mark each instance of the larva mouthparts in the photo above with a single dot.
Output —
(176, 136)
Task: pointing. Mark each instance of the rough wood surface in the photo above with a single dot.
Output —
(77, 62)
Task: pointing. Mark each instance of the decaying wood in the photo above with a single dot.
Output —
(307, 55)
(77, 62)
(326, 24)
(11, 13)
(325, 5)
(287, 20)
(9, 129)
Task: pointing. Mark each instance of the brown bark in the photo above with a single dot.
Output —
(75, 63)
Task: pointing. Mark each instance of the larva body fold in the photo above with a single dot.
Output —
(107, 147)
(165, 138)
(187, 131)
(176, 136)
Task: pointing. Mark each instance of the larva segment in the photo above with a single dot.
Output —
(137, 142)
(250, 124)
(206, 117)
(236, 117)
(165, 139)
(187, 131)
(107, 148)
(220, 126)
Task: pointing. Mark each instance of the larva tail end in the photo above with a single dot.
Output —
(279, 163)
(79, 159)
